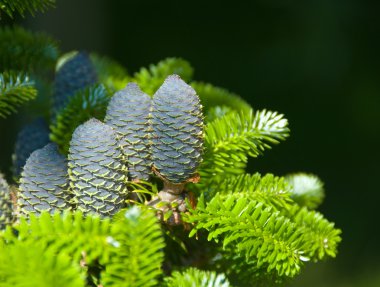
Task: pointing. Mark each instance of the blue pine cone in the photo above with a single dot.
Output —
(75, 74)
(31, 137)
(44, 182)
(6, 210)
(96, 169)
(177, 139)
(129, 113)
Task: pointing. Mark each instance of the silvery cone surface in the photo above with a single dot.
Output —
(44, 182)
(129, 113)
(177, 139)
(30, 138)
(96, 169)
(75, 74)
(5, 203)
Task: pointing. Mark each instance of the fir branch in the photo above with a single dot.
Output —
(269, 189)
(22, 50)
(217, 112)
(231, 139)
(15, 90)
(212, 96)
(245, 273)
(85, 104)
(23, 6)
(110, 73)
(320, 236)
(193, 277)
(306, 189)
(31, 265)
(136, 257)
(258, 232)
(83, 235)
(150, 79)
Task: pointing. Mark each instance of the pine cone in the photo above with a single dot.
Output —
(32, 136)
(44, 182)
(75, 74)
(5, 203)
(129, 113)
(177, 122)
(96, 169)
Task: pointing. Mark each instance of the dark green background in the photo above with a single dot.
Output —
(315, 61)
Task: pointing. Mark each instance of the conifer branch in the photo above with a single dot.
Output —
(193, 277)
(15, 90)
(85, 104)
(136, 253)
(26, 51)
(258, 232)
(30, 265)
(23, 6)
(150, 79)
(231, 139)
(110, 73)
(306, 189)
(269, 189)
(212, 96)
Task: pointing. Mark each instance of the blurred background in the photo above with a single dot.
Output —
(316, 61)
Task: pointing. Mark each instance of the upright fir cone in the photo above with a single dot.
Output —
(32, 137)
(129, 113)
(96, 169)
(177, 139)
(6, 210)
(44, 182)
(75, 74)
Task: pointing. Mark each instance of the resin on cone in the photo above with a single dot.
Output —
(96, 169)
(129, 113)
(177, 139)
(44, 182)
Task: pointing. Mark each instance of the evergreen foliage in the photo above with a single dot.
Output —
(212, 96)
(110, 73)
(196, 278)
(15, 90)
(307, 189)
(128, 250)
(136, 252)
(31, 137)
(72, 228)
(231, 139)
(257, 232)
(150, 79)
(31, 265)
(24, 51)
(23, 6)
(88, 103)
